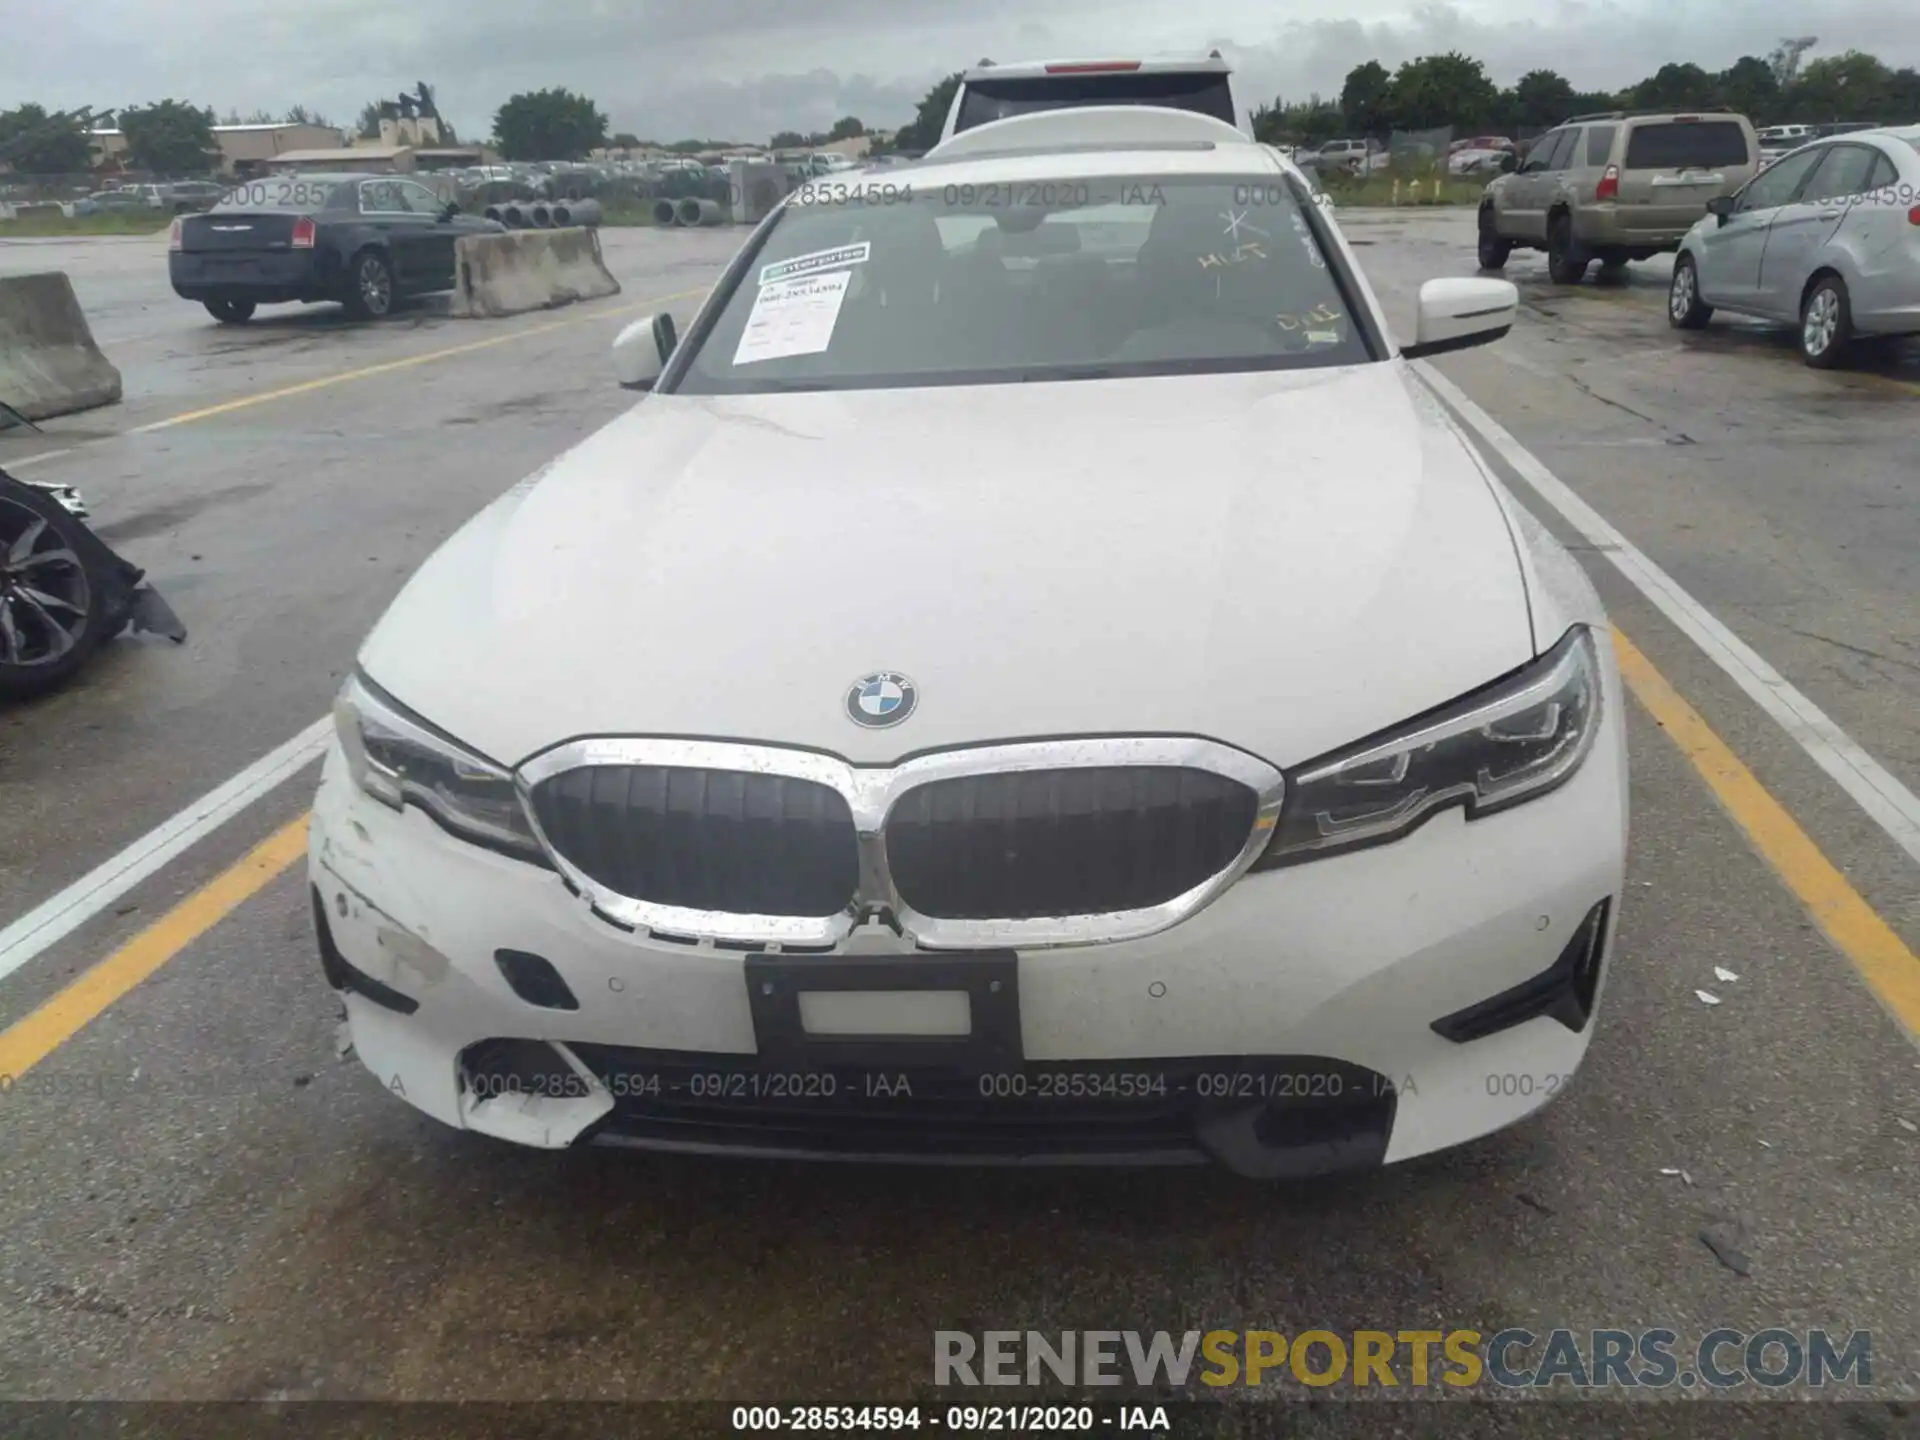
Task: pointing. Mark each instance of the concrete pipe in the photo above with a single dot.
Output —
(576, 212)
(541, 215)
(665, 212)
(513, 217)
(699, 212)
(494, 213)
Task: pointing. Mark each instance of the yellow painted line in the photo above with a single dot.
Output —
(1893, 381)
(1890, 969)
(37, 1036)
(387, 367)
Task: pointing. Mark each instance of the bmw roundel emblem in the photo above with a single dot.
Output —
(881, 699)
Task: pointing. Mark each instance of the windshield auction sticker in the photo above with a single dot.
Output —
(793, 317)
(817, 261)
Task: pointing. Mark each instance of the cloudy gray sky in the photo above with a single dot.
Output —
(744, 68)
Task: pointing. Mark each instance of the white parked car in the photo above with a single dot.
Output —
(1826, 239)
(1021, 687)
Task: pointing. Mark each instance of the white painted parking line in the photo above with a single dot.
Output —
(39, 929)
(1890, 805)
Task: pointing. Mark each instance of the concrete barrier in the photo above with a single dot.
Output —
(665, 212)
(49, 364)
(528, 270)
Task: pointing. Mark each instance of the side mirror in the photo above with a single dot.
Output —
(1720, 207)
(641, 351)
(1459, 314)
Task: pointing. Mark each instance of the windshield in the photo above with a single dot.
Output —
(1208, 92)
(288, 193)
(876, 283)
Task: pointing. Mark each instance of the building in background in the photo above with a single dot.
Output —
(244, 149)
(377, 159)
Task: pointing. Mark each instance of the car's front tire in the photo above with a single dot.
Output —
(1494, 251)
(370, 287)
(231, 312)
(1826, 323)
(1566, 262)
(1685, 309)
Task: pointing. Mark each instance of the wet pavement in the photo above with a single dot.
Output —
(202, 1200)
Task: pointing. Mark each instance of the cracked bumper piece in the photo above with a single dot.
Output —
(1359, 1010)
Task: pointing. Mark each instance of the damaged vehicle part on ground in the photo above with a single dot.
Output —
(1214, 764)
(63, 591)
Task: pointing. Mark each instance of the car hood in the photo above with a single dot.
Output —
(1284, 561)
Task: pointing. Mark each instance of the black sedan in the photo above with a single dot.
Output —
(366, 241)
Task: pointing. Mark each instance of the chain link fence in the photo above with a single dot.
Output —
(135, 202)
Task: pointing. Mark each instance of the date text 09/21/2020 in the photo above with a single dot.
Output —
(1031, 1086)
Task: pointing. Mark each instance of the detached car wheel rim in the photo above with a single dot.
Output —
(1682, 292)
(44, 598)
(1823, 318)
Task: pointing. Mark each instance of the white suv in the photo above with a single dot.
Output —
(991, 92)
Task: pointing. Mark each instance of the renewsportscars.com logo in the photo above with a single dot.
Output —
(1513, 1359)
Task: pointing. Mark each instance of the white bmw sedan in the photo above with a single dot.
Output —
(1038, 679)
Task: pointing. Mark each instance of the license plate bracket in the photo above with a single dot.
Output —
(990, 981)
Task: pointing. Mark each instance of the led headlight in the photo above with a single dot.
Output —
(399, 759)
(1513, 741)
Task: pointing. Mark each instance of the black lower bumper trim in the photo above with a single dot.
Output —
(1564, 991)
(1265, 1116)
(343, 977)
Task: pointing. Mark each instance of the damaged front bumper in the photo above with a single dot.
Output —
(1362, 1010)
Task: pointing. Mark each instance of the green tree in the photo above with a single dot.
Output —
(169, 137)
(1748, 86)
(367, 127)
(1594, 102)
(48, 144)
(626, 140)
(1363, 99)
(788, 140)
(1853, 86)
(1676, 87)
(1539, 100)
(923, 131)
(549, 125)
(1308, 122)
(846, 128)
(1902, 95)
(1442, 90)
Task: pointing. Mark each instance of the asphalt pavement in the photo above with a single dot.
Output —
(202, 1200)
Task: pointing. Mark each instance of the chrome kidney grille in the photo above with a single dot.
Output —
(1037, 844)
(699, 839)
(1031, 843)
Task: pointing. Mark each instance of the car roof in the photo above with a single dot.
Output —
(1141, 65)
(1093, 163)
